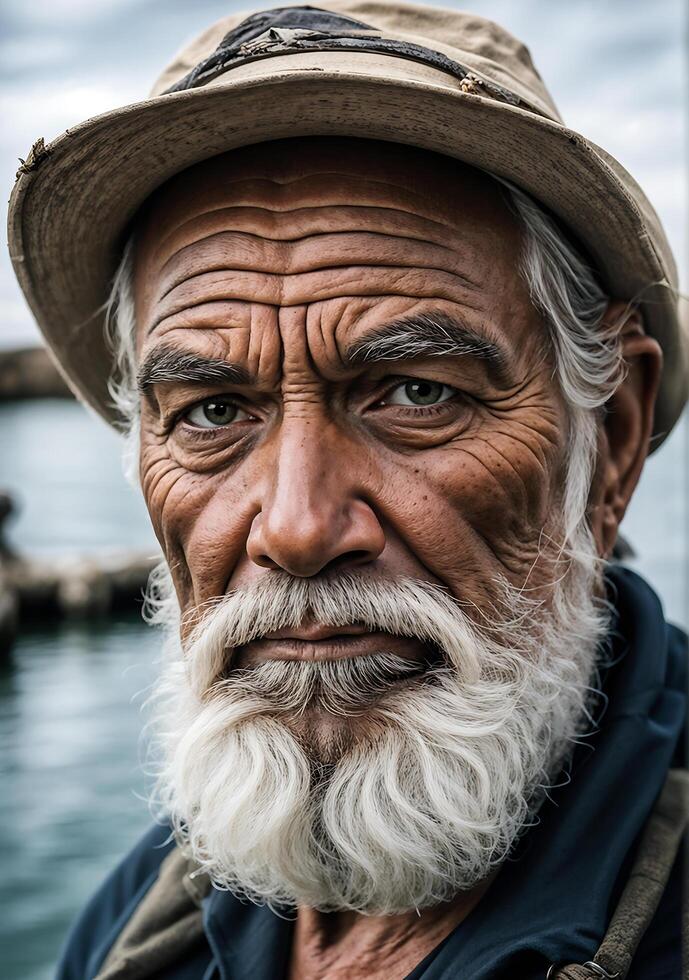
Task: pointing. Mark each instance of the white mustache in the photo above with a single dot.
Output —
(403, 607)
(345, 688)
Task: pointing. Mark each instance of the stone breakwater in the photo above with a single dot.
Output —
(72, 585)
(75, 586)
(30, 373)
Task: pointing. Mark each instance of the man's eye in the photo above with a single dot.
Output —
(419, 393)
(214, 412)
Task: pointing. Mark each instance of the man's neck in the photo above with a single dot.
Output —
(349, 946)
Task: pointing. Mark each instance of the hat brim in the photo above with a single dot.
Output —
(69, 212)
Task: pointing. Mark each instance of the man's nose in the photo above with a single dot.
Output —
(313, 515)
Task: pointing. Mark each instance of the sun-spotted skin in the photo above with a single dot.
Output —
(279, 265)
(278, 258)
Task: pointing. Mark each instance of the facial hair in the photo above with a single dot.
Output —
(441, 774)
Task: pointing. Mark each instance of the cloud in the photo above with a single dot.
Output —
(615, 69)
(64, 14)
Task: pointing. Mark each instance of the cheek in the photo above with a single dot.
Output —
(213, 522)
(474, 512)
(201, 521)
(427, 519)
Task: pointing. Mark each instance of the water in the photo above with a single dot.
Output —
(62, 465)
(69, 712)
(71, 802)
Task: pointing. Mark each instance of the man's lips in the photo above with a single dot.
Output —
(314, 632)
(315, 642)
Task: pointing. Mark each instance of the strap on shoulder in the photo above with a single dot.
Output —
(655, 857)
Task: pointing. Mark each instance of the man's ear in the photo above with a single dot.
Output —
(627, 426)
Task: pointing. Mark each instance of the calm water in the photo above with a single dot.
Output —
(71, 799)
(70, 696)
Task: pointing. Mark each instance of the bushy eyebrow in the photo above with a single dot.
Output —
(425, 335)
(166, 364)
(419, 335)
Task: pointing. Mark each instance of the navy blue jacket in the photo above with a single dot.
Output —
(552, 900)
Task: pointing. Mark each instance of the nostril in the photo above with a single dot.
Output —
(349, 558)
(265, 561)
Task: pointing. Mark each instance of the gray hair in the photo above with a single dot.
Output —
(563, 288)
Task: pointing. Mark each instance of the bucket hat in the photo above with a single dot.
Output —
(442, 80)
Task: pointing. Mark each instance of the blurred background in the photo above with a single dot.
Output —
(75, 658)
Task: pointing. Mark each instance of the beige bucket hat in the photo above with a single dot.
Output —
(438, 79)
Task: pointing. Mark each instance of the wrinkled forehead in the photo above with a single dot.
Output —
(287, 175)
(261, 207)
(402, 172)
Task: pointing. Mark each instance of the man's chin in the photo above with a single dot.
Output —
(326, 738)
(327, 730)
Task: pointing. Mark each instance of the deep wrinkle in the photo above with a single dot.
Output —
(225, 244)
(432, 334)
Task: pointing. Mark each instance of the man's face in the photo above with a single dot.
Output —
(386, 399)
(353, 453)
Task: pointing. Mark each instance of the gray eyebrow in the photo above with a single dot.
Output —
(166, 364)
(425, 335)
(419, 335)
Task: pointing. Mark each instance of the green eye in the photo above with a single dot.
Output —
(213, 413)
(420, 392)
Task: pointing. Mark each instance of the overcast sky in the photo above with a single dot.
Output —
(615, 67)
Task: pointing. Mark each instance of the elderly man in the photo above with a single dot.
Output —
(390, 345)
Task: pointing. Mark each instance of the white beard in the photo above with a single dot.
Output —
(440, 775)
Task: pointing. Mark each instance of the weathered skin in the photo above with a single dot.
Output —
(280, 257)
